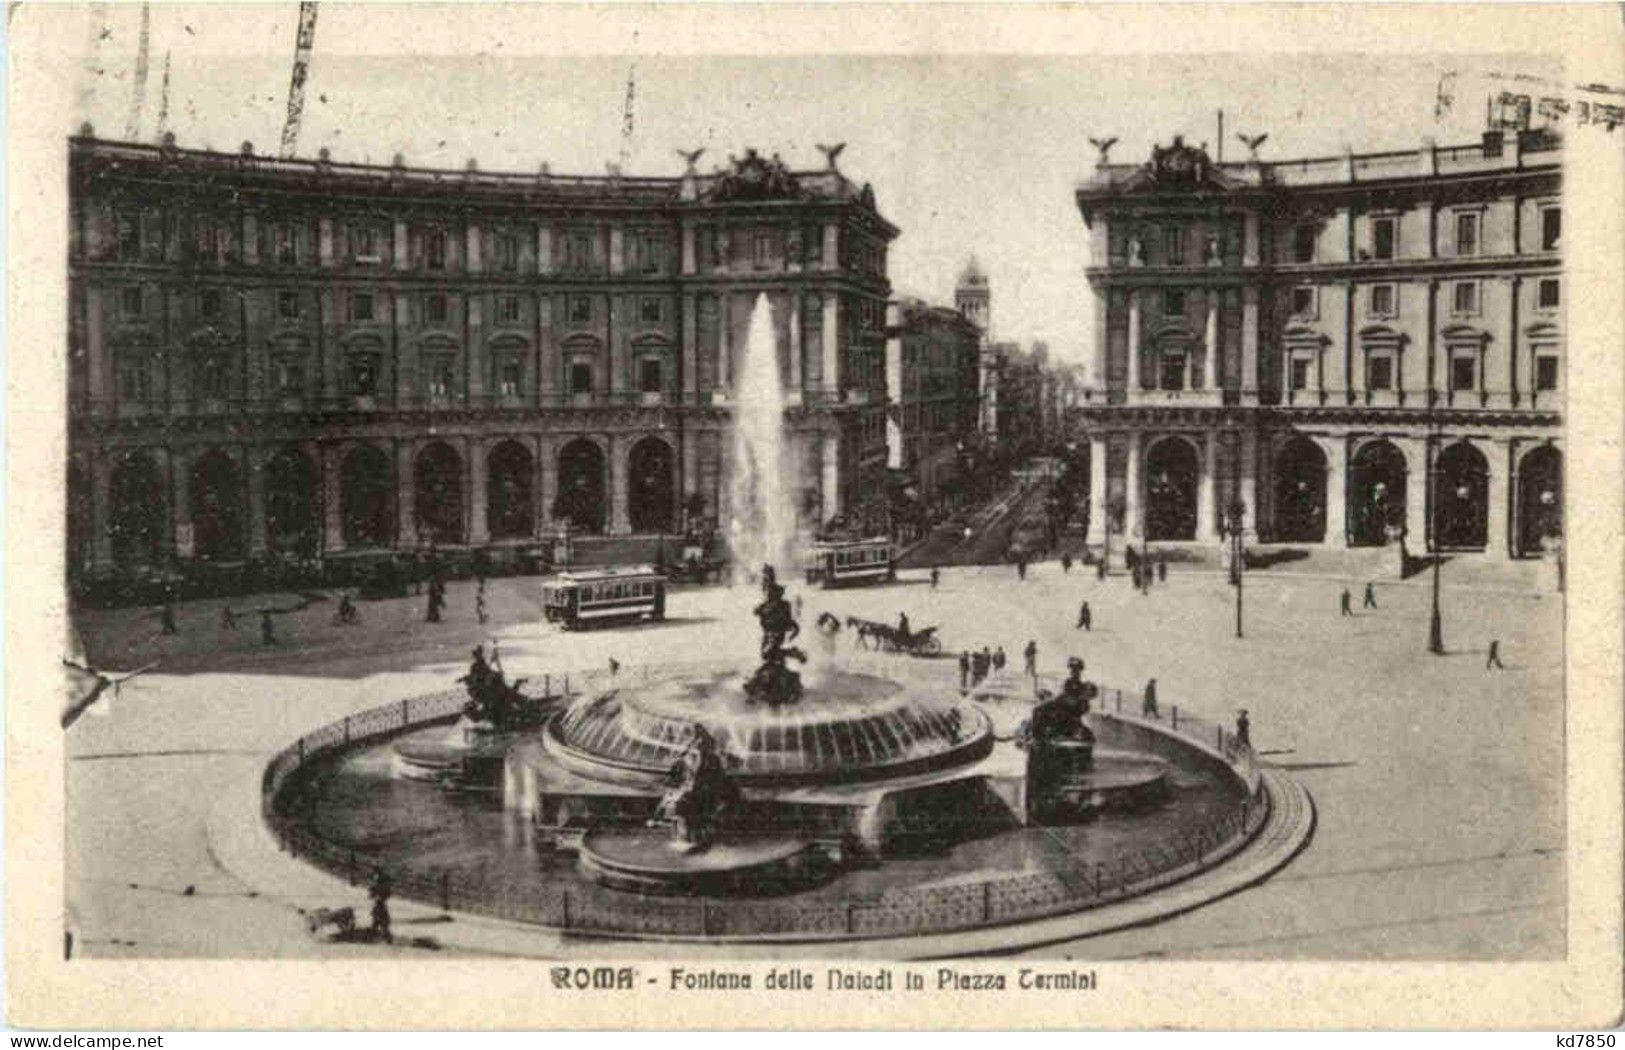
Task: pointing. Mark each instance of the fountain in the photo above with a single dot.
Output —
(761, 519)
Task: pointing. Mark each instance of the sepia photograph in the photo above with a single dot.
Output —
(705, 515)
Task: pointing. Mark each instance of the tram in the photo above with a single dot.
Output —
(589, 597)
(834, 563)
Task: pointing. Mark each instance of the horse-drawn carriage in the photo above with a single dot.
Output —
(897, 639)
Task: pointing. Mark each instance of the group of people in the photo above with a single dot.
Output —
(976, 665)
(1145, 570)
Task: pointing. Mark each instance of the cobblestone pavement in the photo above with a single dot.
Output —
(1439, 784)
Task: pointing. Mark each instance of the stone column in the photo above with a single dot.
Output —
(399, 254)
(1210, 343)
(1498, 456)
(406, 494)
(254, 471)
(617, 250)
(101, 500)
(691, 468)
(1337, 496)
(324, 242)
(180, 498)
(829, 475)
(832, 342)
(1416, 493)
(479, 528)
(473, 256)
(1250, 239)
(547, 479)
(544, 249)
(620, 522)
(793, 305)
(332, 505)
(1133, 341)
(691, 343)
(1249, 341)
(1205, 487)
(688, 250)
(1247, 475)
(1097, 489)
(725, 343)
(1133, 524)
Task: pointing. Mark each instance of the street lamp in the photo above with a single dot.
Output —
(1234, 524)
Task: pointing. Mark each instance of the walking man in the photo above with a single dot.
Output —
(479, 603)
(1021, 567)
(1029, 657)
(1494, 659)
(1162, 570)
(267, 628)
(1345, 603)
(902, 624)
(1100, 569)
(935, 574)
(964, 670)
(1066, 561)
(1084, 617)
(997, 659)
(166, 619)
(1370, 596)
(1244, 736)
(380, 891)
(1150, 707)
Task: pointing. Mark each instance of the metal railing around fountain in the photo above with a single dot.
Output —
(597, 911)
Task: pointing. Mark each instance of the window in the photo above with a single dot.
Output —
(129, 238)
(361, 306)
(812, 245)
(1303, 242)
(1173, 302)
(208, 242)
(649, 377)
(434, 309)
(651, 311)
(212, 375)
(442, 369)
(508, 375)
(283, 246)
(365, 243)
(1546, 372)
(1303, 301)
(208, 302)
(134, 377)
(131, 302)
(1383, 297)
(1172, 376)
(761, 250)
(1299, 375)
(1463, 372)
(580, 378)
(1464, 297)
(1550, 293)
(288, 376)
(650, 253)
(363, 374)
(434, 250)
(580, 309)
(578, 252)
(1382, 238)
(508, 309)
(1380, 372)
(1551, 228)
(506, 247)
(1174, 244)
(287, 305)
(1467, 233)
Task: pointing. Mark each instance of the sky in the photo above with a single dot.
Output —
(968, 153)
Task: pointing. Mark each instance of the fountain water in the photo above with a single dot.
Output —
(761, 520)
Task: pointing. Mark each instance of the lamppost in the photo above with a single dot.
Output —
(1435, 624)
(1234, 526)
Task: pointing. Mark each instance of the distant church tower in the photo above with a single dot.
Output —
(974, 299)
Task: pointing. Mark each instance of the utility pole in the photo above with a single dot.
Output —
(138, 86)
(163, 101)
(303, 42)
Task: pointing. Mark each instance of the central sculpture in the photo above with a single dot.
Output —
(774, 683)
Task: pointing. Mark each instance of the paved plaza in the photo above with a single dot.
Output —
(1438, 784)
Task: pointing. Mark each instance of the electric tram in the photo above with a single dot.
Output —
(834, 563)
(590, 597)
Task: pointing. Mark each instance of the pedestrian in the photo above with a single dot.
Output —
(979, 662)
(997, 659)
(380, 892)
(1021, 567)
(479, 581)
(1029, 657)
(267, 628)
(1134, 572)
(1162, 570)
(935, 574)
(1151, 699)
(1085, 617)
(964, 670)
(166, 619)
(1132, 558)
(1345, 603)
(1370, 595)
(436, 601)
(902, 625)
(614, 667)
(1244, 737)
(1100, 568)
(228, 619)
(1066, 561)
(1494, 659)
(479, 605)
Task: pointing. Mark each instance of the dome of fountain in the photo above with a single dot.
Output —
(846, 727)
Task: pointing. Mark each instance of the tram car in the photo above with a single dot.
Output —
(591, 597)
(841, 562)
